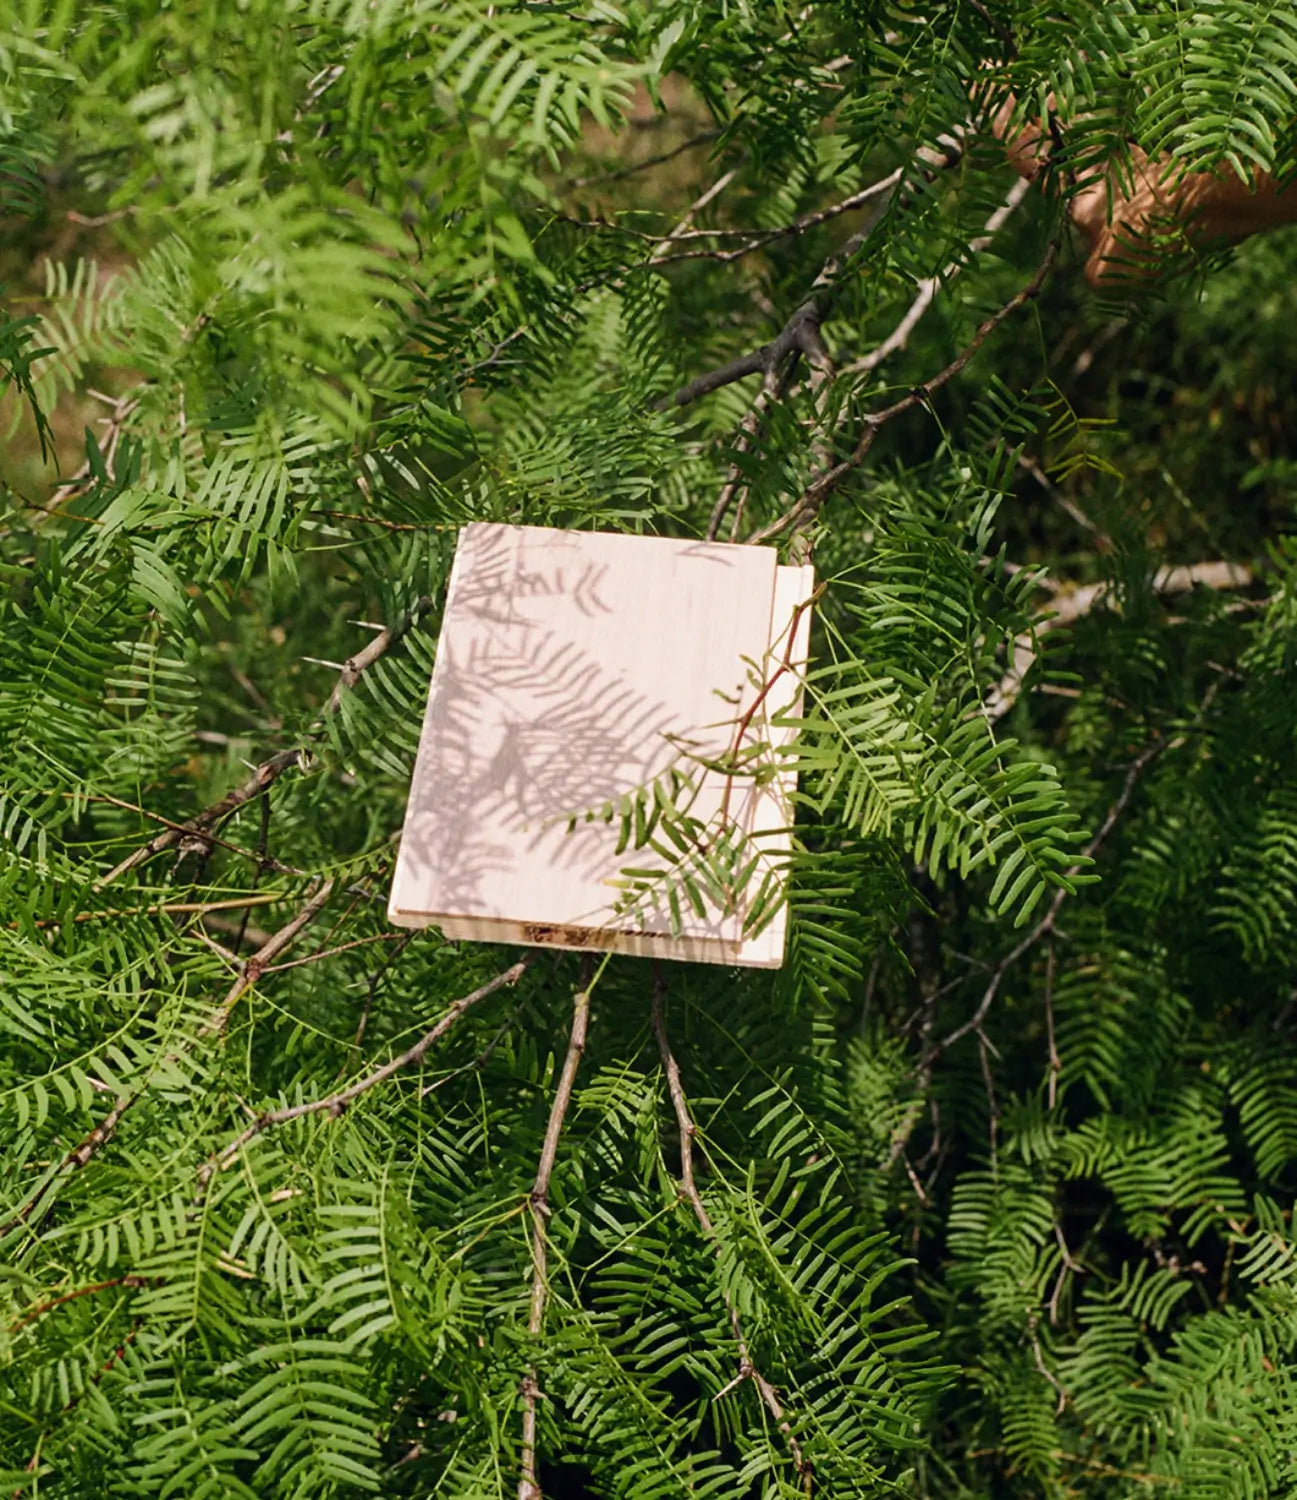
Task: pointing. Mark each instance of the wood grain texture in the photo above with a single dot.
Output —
(572, 668)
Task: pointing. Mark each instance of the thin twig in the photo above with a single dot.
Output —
(41, 1308)
(794, 337)
(767, 687)
(164, 908)
(771, 388)
(271, 769)
(314, 958)
(1055, 1062)
(371, 988)
(651, 161)
(759, 239)
(95, 1139)
(263, 845)
(932, 1050)
(1065, 502)
(1047, 923)
(334, 1104)
(528, 1488)
(252, 937)
(689, 1188)
(996, 25)
(800, 334)
(74, 1160)
(256, 964)
(707, 196)
(269, 863)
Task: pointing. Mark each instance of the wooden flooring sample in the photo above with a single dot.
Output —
(573, 668)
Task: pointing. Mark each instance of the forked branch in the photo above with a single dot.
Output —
(804, 510)
(258, 962)
(689, 1190)
(94, 1140)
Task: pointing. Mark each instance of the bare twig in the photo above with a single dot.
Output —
(784, 666)
(689, 1189)
(708, 195)
(1047, 923)
(249, 936)
(371, 987)
(528, 1488)
(75, 1159)
(800, 337)
(259, 857)
(996, 25)
(272, 768)
(162, 908)
(334, 1104)
(1055, 1062)
(332, 952)
(800, 334)
(95, 1139)
(793, 338)
(771, 387)
(262, 856)
(759, 239)
(1044, 928)
(992, 1107)
(1065, 502)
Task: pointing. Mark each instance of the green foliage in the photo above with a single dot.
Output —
(994, 1176)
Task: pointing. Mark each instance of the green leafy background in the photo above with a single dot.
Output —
(999, 1166)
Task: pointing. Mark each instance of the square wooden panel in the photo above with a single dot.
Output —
(572, 669)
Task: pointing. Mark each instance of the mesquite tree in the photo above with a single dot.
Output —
(986, 1191)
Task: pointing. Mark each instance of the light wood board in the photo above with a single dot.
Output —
(573, 667)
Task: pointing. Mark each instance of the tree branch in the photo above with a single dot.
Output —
(793, 336)
(652, 161)
(1043, 929)
(805, 509)
(812, 345)
(1070, 604)
(800, 334)
(102, 1133)
(257, 962)
(1046, 924)
(689, 1189)
(272, 768)
(931, 285)
(334, 1104)
(760, 238)
(41, 1308)
(708, 195)
(528, 1487)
